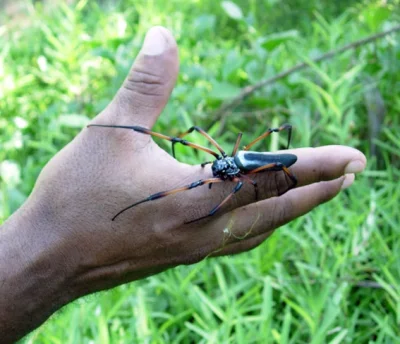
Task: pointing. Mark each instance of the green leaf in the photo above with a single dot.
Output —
(203, 23)
(232, 10)
(271, 41)
(375, 15)
(339, 338)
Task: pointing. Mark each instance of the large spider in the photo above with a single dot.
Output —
(235, 167)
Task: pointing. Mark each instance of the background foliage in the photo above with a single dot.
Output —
(331, 276)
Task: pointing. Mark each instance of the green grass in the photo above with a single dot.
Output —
(331, 276)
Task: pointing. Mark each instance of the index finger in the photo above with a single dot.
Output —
(313, 165)
(326, 163)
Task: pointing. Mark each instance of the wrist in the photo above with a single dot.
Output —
(34, 280)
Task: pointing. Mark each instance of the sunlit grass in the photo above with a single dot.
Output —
(331, 276)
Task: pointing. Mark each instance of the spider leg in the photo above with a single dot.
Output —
(162, 136)
(287, 127)
(276, 166)
(170, 192)
(202, 132)
(218, 207)
(235, 148)
(206, 163)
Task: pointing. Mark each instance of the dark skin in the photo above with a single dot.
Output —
(61, 244)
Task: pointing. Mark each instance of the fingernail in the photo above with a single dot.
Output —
(348, 180)
(155, 43)
(354, 166)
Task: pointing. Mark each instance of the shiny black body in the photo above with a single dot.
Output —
(248, 161)
(244, 162)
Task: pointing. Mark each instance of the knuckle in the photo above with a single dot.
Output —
(282, 210)
(321, 170)
(145, 82)
(321, 173)
(327, 192)
(275, 184)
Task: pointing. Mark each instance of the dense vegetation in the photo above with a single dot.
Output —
(332, 276)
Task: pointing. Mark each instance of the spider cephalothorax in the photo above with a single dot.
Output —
(225, 168)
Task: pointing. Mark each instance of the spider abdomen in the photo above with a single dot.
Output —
(248, 161)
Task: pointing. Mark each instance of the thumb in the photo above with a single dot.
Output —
(149, 83)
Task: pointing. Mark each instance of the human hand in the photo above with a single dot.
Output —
(103, 170)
